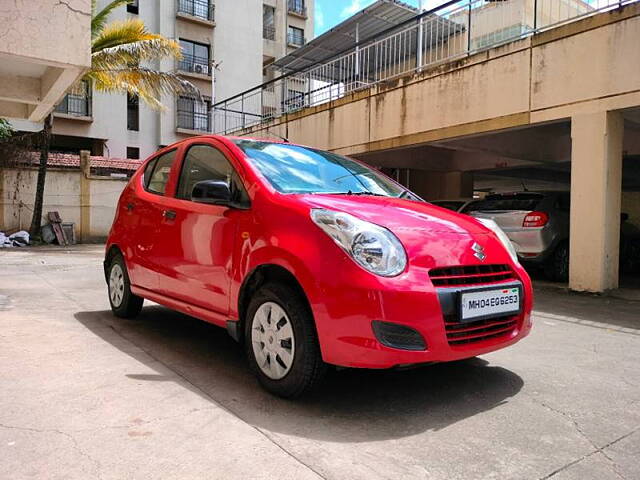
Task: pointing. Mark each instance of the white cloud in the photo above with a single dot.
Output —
(354, 7)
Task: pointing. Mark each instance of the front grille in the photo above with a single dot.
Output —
(471, 332)
(470, 275)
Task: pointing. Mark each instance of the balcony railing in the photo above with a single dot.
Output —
(77, 102)
(198, 8)
(193, 64)
(298, 7)
(456, 29)
(295, 39)
(269, 32)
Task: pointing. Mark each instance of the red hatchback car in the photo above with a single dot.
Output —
(311, 259)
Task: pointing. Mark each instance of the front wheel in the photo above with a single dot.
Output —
(281, 342)
(123, 302)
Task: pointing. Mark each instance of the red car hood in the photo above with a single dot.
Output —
(432, 236)
(402, 217)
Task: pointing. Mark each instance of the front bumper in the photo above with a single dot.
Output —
(347, 336)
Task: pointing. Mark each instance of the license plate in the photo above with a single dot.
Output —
(479, 304)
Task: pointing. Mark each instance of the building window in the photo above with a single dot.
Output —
(133, 153)
(195, 57)
(295, 36)
(193, 114)
(133, 112)
(197, 8)
(132, 7)
(268, 22)
(298, 7)
(78, 101)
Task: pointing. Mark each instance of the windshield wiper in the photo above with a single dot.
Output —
(358, 193)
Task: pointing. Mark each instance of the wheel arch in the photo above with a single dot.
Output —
(112, 251)
(259, 276)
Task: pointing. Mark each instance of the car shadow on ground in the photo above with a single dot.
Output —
(351, 406)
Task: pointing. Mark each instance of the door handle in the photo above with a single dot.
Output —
(169, 214)
(130, 206)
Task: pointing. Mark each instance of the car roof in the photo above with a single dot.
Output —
(227, 138)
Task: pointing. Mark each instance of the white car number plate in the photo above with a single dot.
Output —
(489, 303)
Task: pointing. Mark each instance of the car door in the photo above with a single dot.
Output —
(148, 209)
(198, 238)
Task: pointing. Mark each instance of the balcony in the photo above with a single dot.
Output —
(199, 66)
(202, 11)
(297, 7)
(295, 39)
(269, 32)
(76, 103)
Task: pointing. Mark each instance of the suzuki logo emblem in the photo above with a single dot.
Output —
(478, 252)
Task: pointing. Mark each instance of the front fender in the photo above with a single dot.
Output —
(273, 255)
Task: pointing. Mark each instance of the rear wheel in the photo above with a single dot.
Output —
(123, 302)
(282, 346)
(557, 267)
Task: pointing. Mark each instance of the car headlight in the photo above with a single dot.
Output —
(493, 226)
(373, 247)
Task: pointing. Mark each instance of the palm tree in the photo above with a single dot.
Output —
(118, 52)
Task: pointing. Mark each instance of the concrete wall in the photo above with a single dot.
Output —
(44, 49)
(63, 193)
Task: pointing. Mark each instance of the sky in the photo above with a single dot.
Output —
(329, 13)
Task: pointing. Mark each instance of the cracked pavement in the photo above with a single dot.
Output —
(86, 395)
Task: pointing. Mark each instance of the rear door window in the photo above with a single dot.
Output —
(159, 176)
(520, 201)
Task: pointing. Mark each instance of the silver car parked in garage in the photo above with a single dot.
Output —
(538, 225)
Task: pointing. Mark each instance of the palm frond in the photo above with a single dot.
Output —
(134, 53)
(149, 85)
(123, 32)
(99, 19)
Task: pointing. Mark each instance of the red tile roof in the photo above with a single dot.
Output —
(70, 160)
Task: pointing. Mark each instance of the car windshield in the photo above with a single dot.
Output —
(295, 169)
(519, 201)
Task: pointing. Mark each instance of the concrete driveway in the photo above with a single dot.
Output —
(86, 395)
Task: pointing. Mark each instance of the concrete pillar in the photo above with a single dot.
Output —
(596, 186)
(85, 196)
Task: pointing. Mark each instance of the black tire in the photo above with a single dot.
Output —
(557, 267)
(307, 368)
(124, 304)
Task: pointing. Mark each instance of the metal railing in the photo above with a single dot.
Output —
(77, 102)
(194, 64)
(454, 30)
(204, 9)
(269, 32)
(298, 7)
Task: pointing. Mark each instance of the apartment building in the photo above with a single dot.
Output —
(226, 46)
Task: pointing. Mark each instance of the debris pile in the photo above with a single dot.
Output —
(63, 233)
(18, 239)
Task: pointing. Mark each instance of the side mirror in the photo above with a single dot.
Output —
(213, 192)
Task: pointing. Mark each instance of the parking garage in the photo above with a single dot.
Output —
(539, 159)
